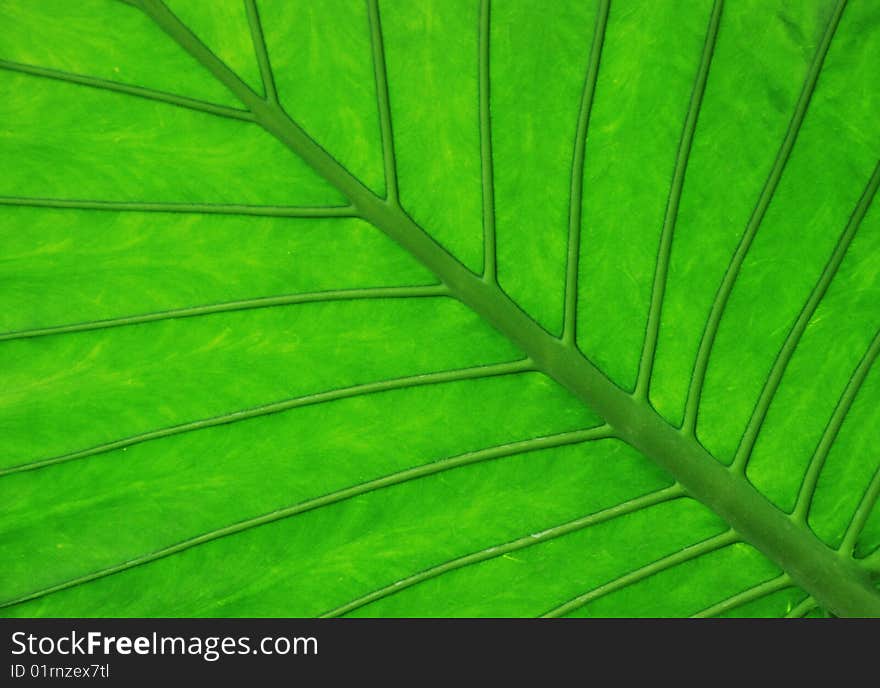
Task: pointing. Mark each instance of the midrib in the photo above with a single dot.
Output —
(835, 581)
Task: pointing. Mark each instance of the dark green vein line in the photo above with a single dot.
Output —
(490, 254)
(384, 103)
(756, 422)
(631, 506)
(469, 458)
(661, 270)
(261, 51)
(817, 462)
(705, 547)
(447, 376)
(575, 194)
(707, 340)
(137, 91)
(755, 593)
(230, 306)
(861, 515)
(193, 208)
(802, 609)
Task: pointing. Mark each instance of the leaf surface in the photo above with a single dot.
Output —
(439, 309)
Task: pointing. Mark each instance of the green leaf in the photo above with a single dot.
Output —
(439, 309)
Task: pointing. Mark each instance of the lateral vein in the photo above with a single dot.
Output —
(136, 91)
(693, 552)
(194, 208)
(628, 507)
(575, 194)
(802, 609)
(838, 416)
(861, 515)
(261, 51)
(447, 376)
(839, 584)
(756, 592)
(771, 385)
(490, 254)
(730, 276)
(664, 252)
(426, 291)
(432, 468)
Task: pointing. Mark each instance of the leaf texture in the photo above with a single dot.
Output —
(450, 308)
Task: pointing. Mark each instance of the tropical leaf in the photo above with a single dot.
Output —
(438, 308)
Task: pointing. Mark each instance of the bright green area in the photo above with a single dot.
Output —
(809, 210)
(322, 63)
(223, 26)
(832, 346)
(692, 586)
(538, 62)
(641, 100)
(162, 492)
(431, 50)
(536, 579)
(843, 479)
(107, 40)
(135, 379)
(284, 569)
(68, 266)
(117, 148)
(494, 527)
(758, 67)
